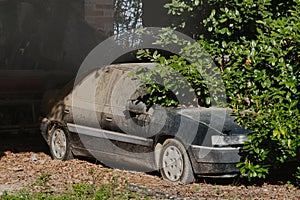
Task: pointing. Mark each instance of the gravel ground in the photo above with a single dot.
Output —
(22, 163)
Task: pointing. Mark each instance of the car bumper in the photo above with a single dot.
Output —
(215, 160)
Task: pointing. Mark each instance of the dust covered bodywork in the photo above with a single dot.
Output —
(102, 116)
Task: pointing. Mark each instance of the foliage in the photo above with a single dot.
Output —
(263, 77)
(127, 15)
(256, 46)
(43, 180)
(298, 177)
(187, 78)
(172, 82)
(112, 190)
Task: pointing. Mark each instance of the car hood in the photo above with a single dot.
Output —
(219, 119)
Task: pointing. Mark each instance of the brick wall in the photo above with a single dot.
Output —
(100, 15)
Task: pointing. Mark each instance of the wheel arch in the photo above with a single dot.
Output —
(51, 125)
(158, 147)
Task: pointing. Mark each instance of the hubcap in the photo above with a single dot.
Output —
(59, 144)
(172, 163)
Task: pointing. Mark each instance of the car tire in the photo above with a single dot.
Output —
(175, 165)
(59, 144)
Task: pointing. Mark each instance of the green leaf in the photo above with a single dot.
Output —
(207, 100)
(260, 22)
(223, 20)
(276, 133)
(213, 12)
(224, 44)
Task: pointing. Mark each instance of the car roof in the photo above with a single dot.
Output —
(129, 66)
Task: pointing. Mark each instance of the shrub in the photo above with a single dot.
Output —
(256, 46)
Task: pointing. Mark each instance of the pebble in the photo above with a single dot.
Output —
(34, 157)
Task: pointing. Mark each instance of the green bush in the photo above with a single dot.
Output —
(256, 47)
(171, 79)
(298, 177)
(263, 77)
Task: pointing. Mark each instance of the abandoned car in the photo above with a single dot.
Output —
(102, 117)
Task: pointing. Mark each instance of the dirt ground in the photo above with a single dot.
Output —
(24, 159)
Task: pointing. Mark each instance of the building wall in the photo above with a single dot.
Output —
(100, 15)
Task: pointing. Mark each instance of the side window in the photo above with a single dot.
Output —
(103, 87)
(142, 95)
(137, 106)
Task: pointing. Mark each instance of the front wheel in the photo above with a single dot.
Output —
(60, 145)
(175, 163)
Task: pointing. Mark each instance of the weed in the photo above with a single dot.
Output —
(43, 180)
(218, 190)
(197, 188)
(113, 190)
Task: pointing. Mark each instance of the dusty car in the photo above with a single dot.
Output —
(103, 118)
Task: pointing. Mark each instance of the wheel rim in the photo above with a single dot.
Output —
(172, 163)
(59, 143)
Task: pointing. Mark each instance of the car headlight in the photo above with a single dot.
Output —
(228, 140)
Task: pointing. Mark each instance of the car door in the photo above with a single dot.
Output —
(115, 142)
(123, 111)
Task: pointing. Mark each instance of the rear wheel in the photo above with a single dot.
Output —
(175, 163)
(60, 144)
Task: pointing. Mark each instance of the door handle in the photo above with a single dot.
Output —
(109, 119)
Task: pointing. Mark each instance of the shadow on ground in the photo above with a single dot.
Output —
(22, 142)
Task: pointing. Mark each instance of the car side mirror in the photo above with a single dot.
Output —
(136, 106)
